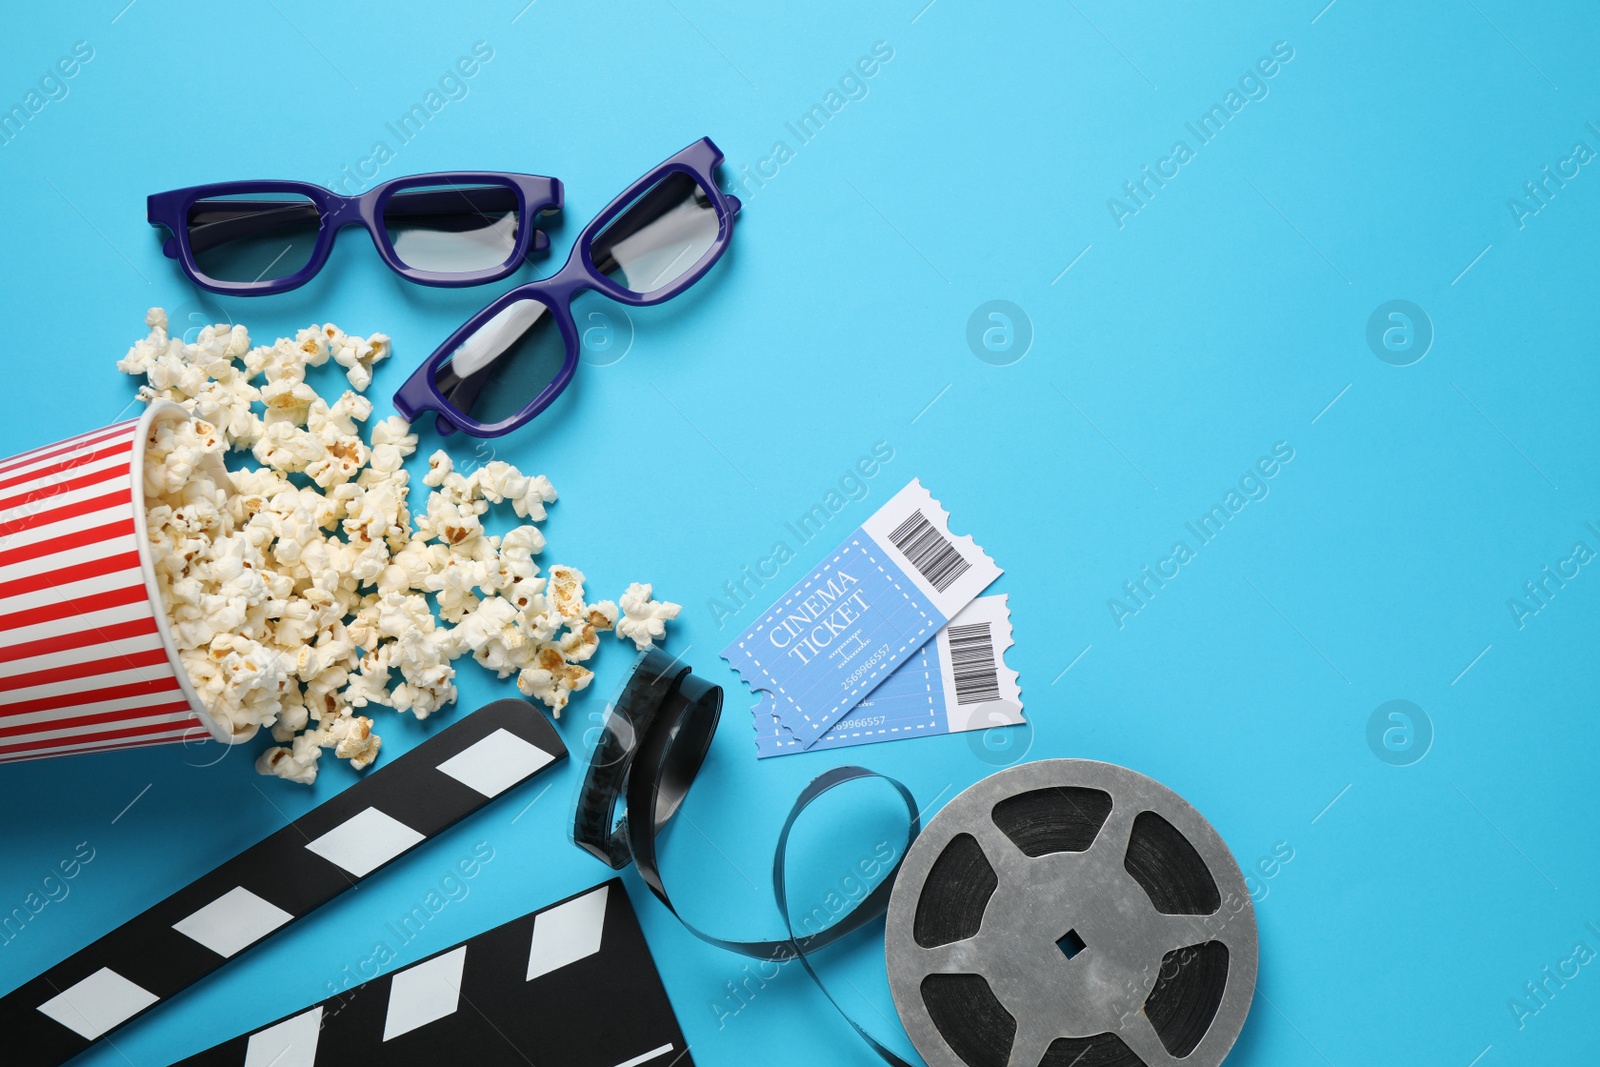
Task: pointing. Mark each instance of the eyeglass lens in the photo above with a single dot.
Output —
(252, 237)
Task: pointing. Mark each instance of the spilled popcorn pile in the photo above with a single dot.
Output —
(296, 593)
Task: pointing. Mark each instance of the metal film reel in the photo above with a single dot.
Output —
(1071, 912)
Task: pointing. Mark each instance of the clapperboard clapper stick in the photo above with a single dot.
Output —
(170, 947)
(571, 985)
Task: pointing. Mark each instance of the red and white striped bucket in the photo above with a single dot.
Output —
(87, 661)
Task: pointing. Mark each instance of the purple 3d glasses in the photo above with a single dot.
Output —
(515, 356)
(449, 229)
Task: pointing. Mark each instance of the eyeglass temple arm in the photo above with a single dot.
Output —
(217, 222)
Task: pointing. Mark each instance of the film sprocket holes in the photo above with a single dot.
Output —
(1071, 910)
(175, 943)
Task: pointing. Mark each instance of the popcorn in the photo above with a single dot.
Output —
(285, 447)
(341, 418)
(296, 762)
(579, 644)
(566, 592)
(351, 738)
(440, 467)
(499, 481)
(494, 637)
(454, 583)
(517, 550)
(453, 523)
(395, 431)
(552, 679)
(603, 616)
(429, 678)
(356, 355)
(645, 620)
(307, 589)
(288, 400)
(371, 684)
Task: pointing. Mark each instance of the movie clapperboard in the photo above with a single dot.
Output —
(158, 954)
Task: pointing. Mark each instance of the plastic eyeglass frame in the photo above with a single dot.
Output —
(536, 195)
(419, 393)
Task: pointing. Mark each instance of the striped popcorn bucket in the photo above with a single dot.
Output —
(87, 661)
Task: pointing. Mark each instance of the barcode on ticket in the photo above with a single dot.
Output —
(977, 675)
(913, 530)
(980, 691)
(928, 550)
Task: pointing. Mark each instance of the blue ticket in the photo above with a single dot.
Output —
(957, 681)
(863, 611)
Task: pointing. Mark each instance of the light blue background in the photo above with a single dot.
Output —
(1225, 316)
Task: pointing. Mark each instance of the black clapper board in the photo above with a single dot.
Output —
(170, 947)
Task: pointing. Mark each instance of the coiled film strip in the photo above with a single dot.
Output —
(171, 946)
(656, 735)
(571, 985)
(1071, 912)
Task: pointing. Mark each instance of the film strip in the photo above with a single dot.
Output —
(655, 738)
(1071, 912)
(324, 852)
(544, 989)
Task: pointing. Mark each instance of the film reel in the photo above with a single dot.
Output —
(1071, 912)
